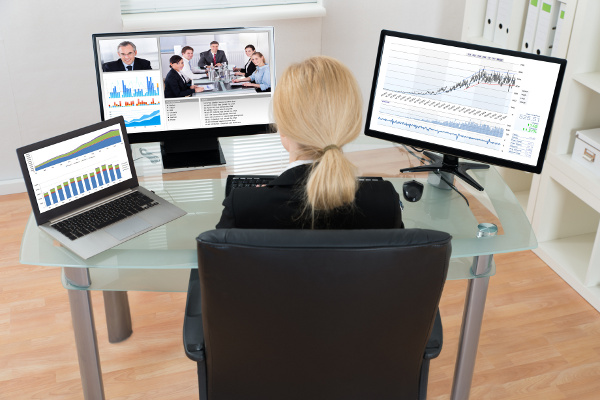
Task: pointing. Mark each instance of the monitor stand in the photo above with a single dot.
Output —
(449, 164)
(198, 152)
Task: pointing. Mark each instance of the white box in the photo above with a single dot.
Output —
(587, 149)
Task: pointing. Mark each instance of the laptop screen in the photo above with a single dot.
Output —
(76, 166)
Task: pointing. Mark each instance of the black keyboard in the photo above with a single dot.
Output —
(236, 181)
(106, 214)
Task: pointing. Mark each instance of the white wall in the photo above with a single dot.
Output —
(47, 70)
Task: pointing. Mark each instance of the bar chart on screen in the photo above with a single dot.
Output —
(72, 169)
(137, 97)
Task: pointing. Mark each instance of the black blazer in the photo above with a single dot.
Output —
(175, 87)
(249, 68)
(114, 66)
(279, 205)
(206, 58)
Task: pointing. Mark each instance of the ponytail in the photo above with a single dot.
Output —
(332, 181)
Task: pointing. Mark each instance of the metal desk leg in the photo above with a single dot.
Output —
(118, 316)
(470, 329)
(85, 334)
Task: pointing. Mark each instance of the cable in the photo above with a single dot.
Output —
(409, 151)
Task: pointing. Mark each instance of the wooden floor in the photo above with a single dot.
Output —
(540, 339)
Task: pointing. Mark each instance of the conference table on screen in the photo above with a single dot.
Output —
(220, 85)
(160, 260)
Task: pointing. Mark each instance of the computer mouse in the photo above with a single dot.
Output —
(412, 190)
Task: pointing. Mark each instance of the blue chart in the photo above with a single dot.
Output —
(102, 141)
(442, 133)
(452, 121)
(145, 120)
(137, 117)
(131, 89)
(80, 185)
(134, 87)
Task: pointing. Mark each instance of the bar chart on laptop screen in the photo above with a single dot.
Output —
(462, 98)
(63, 172)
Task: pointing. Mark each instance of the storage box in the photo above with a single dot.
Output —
(587, 149)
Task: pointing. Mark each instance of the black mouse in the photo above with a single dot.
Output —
(412, 190)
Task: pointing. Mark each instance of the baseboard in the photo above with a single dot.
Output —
(11, 186)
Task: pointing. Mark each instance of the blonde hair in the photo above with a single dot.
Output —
(318, 104)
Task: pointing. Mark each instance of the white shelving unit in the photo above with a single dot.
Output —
(563, 202)
(523, 184)
(567, 206)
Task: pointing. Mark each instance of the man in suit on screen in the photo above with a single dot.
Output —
(127, 60)
(213, 56)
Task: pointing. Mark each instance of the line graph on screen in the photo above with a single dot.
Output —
(456, 78)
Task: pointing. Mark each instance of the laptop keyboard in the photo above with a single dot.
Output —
(106, 214)
(237, 181)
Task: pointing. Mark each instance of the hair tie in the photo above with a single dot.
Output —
(331, 146)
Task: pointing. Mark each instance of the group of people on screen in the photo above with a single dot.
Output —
(179, 80)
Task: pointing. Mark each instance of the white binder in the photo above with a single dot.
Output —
(559, 25)
(546, 27)
(533, 11)
(503, 22)
(490, 19)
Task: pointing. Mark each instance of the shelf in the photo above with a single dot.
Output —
(570, 256)
(576, 178)
(590, 80)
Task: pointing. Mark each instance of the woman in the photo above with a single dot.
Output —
(176, 84)
(317, 108)
(250, 67)
(261, 78)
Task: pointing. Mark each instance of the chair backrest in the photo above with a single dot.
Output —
(318, 314)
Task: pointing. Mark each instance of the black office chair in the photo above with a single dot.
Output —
(315, 314)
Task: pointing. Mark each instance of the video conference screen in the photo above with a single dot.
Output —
(207, 87)
(484, 104)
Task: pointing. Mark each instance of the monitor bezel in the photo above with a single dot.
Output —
(537, 168)
(187, 134)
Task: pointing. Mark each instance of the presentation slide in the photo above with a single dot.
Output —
(72, 169)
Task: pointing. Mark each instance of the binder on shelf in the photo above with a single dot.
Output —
(490, 19)
(533, 11)
(503, 22)
(559, 25)
(546, 27)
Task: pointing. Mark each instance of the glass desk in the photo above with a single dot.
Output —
(160, 260)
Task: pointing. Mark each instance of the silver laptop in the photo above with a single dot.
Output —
(84, 191)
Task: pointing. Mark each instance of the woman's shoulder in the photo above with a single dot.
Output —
(379, 191)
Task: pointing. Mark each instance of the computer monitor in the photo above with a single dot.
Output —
(186, 121)
(485, 104)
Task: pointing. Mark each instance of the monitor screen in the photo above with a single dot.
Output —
(187, 88)
(486, 104)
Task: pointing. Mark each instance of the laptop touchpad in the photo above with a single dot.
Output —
(128, 227)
